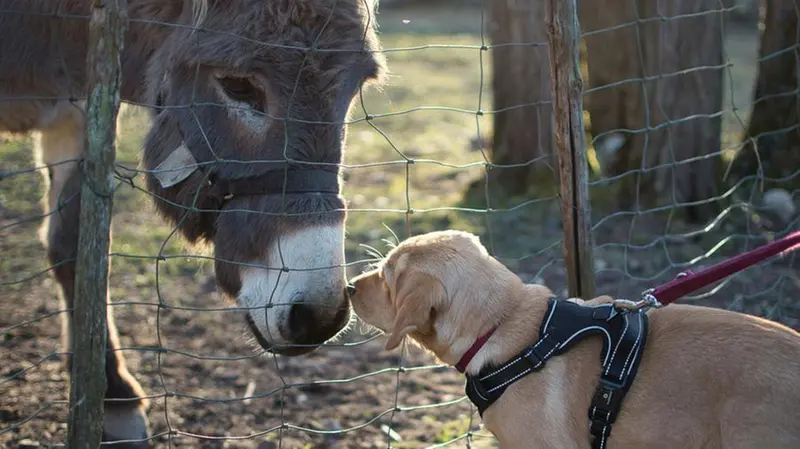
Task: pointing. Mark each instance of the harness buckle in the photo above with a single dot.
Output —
(600, 429)
(606, 402)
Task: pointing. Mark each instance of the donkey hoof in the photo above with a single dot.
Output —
(125, 427)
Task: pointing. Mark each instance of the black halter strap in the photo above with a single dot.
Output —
(287, 179)
(275, 182)
(293, 180)
(566, 323)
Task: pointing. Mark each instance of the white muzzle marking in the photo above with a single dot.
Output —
(314, 258)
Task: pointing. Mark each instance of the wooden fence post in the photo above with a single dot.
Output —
(563, 34)
(107, 27)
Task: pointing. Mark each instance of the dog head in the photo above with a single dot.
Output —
(442, 289)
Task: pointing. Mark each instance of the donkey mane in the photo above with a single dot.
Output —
(283, 7)
(199, 12)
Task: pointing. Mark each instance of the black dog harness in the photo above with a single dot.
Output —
(566, 323)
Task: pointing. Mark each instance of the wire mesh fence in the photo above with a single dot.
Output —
(212, 97)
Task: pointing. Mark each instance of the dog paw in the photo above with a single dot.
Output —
(126, 427)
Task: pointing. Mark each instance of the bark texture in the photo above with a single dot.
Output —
(88, 380)
(521, 88)
(657, 81)
(772, 140)
(570, 143)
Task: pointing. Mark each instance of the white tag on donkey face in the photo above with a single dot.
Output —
(176, 167)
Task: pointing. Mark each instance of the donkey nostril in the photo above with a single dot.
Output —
(351, 290)
(301, 317)
(311, 323)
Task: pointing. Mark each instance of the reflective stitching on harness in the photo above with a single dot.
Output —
(475, 388)
(624, 335)
(527, 371)
(626, 368)
(613, 354)
(608, 338)
(516, 360)
(550, 316)
(546, 324)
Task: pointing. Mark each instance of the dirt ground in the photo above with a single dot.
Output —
(209, 385)
(212, 389)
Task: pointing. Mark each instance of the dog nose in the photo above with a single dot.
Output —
(351, 290)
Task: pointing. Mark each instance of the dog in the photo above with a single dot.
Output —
(707, 378)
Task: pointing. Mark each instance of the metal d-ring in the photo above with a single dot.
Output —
(648, 300)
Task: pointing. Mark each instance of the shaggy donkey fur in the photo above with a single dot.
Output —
(231, 80)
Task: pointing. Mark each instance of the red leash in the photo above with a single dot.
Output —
(688, 282)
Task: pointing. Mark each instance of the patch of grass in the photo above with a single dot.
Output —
(452, 429)
(20, 216)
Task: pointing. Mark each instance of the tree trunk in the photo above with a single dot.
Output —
(774, 120)
(670, 75)
(522, 128)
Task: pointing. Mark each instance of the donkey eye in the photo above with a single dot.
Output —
(242, 90)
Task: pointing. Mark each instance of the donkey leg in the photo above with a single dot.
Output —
(62, 140)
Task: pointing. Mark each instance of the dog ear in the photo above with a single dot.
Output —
(418, 295)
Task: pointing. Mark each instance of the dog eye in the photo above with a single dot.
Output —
(242, 90)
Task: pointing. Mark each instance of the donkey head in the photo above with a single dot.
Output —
(256, 94)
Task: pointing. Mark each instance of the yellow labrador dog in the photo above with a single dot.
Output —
(707, 378)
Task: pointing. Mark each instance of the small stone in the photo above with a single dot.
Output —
(392, 434)
(332, 424)
(28, 444)
(781, 203)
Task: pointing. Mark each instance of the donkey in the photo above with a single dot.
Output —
(229, 85)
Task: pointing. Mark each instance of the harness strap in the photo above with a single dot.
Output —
(489, 385)
(617, 375)
(565, 324)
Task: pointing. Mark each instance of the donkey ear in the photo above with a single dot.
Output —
(418, 295)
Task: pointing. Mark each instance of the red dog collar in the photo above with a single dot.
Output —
(461, 366)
